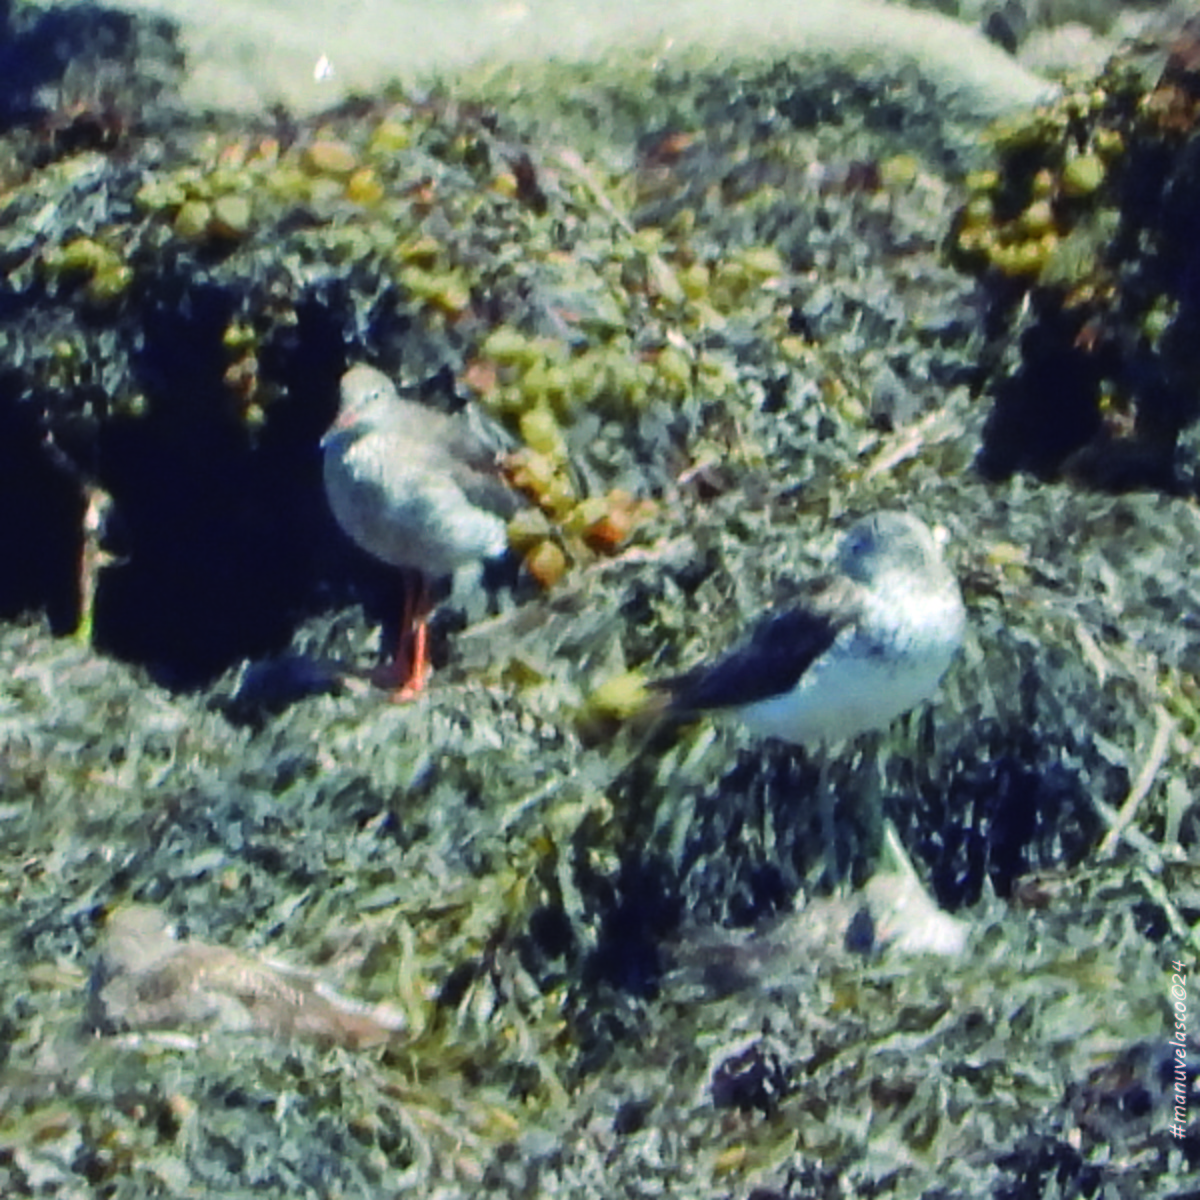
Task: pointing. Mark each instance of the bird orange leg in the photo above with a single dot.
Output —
(419, 669)
(412, 669)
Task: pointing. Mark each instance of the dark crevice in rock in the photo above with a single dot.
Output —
(226, 530)
(42, 505)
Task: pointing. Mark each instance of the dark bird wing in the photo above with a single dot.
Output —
(778, 653)
(486, 489)
(478, 473)
(466, 448)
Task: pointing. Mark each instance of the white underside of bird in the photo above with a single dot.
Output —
(408, 516)
(864, 682)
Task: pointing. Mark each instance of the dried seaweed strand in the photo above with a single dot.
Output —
(907, 443)
(1118, 826)
(1156, 890)
(1092, 653)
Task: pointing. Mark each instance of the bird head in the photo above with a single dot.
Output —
(886, 542)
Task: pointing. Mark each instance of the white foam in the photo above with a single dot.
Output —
(247, 54)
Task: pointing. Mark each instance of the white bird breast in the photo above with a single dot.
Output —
(885, 664)
(408, 518)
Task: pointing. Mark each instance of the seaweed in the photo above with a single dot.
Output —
(611, 960)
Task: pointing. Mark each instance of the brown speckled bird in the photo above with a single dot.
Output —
(418, 489)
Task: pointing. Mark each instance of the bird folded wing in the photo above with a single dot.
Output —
(775, 658)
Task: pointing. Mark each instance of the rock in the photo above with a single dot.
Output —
(245, 57)
(1068, 49)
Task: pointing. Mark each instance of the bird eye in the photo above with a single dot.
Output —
(859, 542)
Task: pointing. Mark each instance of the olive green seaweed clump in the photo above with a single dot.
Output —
(1084, 233)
